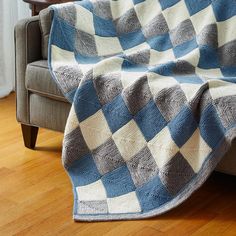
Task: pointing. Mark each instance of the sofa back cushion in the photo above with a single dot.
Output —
(45, 26)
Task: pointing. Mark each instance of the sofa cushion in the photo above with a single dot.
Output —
(48, 113)
(228, 164)
(45, 26)
(39, 80)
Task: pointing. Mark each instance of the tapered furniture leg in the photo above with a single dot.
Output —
(29, 135)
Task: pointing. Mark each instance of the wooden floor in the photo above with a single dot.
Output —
(36, 196)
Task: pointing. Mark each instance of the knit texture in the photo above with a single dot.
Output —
(153, 93)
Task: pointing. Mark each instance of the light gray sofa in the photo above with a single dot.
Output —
(39, 101)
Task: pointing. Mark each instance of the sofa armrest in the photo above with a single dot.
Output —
(27, 49)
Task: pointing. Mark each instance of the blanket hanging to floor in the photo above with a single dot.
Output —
(153, 93)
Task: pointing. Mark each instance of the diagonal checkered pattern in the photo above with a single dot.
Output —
(152, 83)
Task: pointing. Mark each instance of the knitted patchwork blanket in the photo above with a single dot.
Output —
(153, 94)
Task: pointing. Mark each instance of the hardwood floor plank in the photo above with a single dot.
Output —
(36, 197)
(147, 231)
(31, 204)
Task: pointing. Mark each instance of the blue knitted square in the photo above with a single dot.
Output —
(185, 48)
(132, 39)
(182, 126)
(196, 6)
(86, 102)
(118, 182)
(60, 36)
(130, 66)
(84, 171)
(208, 57)
(224, 9)
(152, 194)
(150, 120)
(116, 113)
(164, 69)
(160, 42)
(228, 71)
(210, 126)
(191, 79)
(138, 1)
(167, 3)
(104, 27)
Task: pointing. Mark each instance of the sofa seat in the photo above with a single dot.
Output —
(39, 80)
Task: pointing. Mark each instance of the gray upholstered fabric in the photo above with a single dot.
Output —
(228, 163)
(45, 25)
(27, 49)
(48, 113)
(39, 80)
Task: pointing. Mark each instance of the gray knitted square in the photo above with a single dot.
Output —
(140, 57)
(102, 9)
(68, 14)
(176, 173)
(142, 167)
(85, 44)
(92, 207)
(107, 86)
(170, 101)
(107, 157)
(68, 77)
(127, 23)
(156, 26)
(227, 54)
(208, 36)
(75, 147)
(226, 107)
(137, 95)
(182, 33)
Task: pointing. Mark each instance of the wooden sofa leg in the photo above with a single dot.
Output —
(29, 135)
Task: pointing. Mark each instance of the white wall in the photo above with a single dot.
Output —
(10, 12)
(23, 9)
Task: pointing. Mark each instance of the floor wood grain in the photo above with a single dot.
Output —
(36, 196)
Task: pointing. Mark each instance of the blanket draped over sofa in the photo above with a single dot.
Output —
(153, 93)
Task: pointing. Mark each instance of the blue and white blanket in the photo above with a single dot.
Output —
(153, 93)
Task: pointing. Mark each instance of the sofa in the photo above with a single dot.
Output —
(39, 101)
